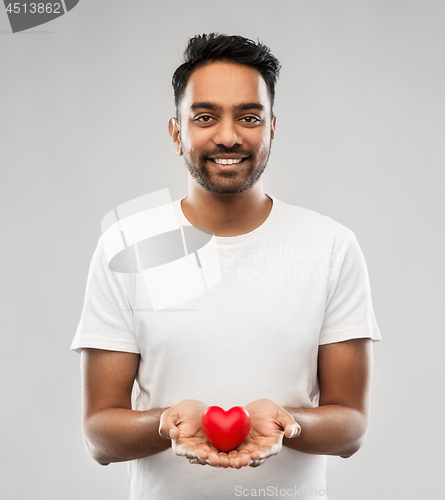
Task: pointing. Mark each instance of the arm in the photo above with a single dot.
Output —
(114, 432)
(338, 425)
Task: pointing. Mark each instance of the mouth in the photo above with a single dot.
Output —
(228, 160)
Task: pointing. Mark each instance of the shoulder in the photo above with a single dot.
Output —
(311, 224)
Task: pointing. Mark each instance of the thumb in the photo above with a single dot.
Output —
(292, 431)
(167, 427)
(291, 427)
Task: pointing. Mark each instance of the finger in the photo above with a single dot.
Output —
(182, 450)
(245, 460)
(213, 459)
(292, 430)
(198, 461)
(257, 463)
(288, 423)
(223, 459)
(242, 460)
(234, 458)
(167, 427)
(231, 457)
(256, 455)
(202, 462)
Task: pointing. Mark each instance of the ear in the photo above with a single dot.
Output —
(272, 127)
(173, 130)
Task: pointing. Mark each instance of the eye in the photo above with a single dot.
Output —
(251, 119)
(204, 118)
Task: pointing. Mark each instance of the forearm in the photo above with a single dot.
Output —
(328, 430)
(119, 435)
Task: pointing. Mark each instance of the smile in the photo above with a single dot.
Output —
(227, 161)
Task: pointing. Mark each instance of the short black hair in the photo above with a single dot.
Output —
(208, 48)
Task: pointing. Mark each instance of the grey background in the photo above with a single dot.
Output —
(84, 104)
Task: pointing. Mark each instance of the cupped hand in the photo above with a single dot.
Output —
(182, 424)
(270, 423)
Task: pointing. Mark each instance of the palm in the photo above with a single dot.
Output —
(191, 442)
(264, 438)
(258, 443)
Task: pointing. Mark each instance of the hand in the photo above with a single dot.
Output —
(269, 423)
(182, 424)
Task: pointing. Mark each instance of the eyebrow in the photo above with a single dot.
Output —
(210, 105)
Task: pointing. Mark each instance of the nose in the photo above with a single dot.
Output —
(226, 134)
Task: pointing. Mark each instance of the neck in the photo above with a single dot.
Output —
(227, 215)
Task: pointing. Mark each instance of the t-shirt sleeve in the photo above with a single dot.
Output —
(349, 312)
(107, 320)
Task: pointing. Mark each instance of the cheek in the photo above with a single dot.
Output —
(260, 140)
(264, 146)
(194, 143)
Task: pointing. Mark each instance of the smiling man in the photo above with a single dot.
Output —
(224, 129)
(286, 333)
(225, 139)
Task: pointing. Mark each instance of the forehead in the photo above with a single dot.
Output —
(226, 85)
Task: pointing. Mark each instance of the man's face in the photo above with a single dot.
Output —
(225, 127)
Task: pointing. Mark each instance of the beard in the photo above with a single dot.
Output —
(227, 183)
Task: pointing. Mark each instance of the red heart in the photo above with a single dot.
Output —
(225, 429)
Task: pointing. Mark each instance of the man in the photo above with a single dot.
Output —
(287, 332)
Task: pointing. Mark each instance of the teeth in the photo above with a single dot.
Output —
(227, 161)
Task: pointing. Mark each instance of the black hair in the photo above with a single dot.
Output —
(205, 49)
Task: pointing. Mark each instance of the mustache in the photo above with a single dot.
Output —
(226, 151)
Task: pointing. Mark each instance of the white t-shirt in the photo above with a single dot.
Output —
(296, 282)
